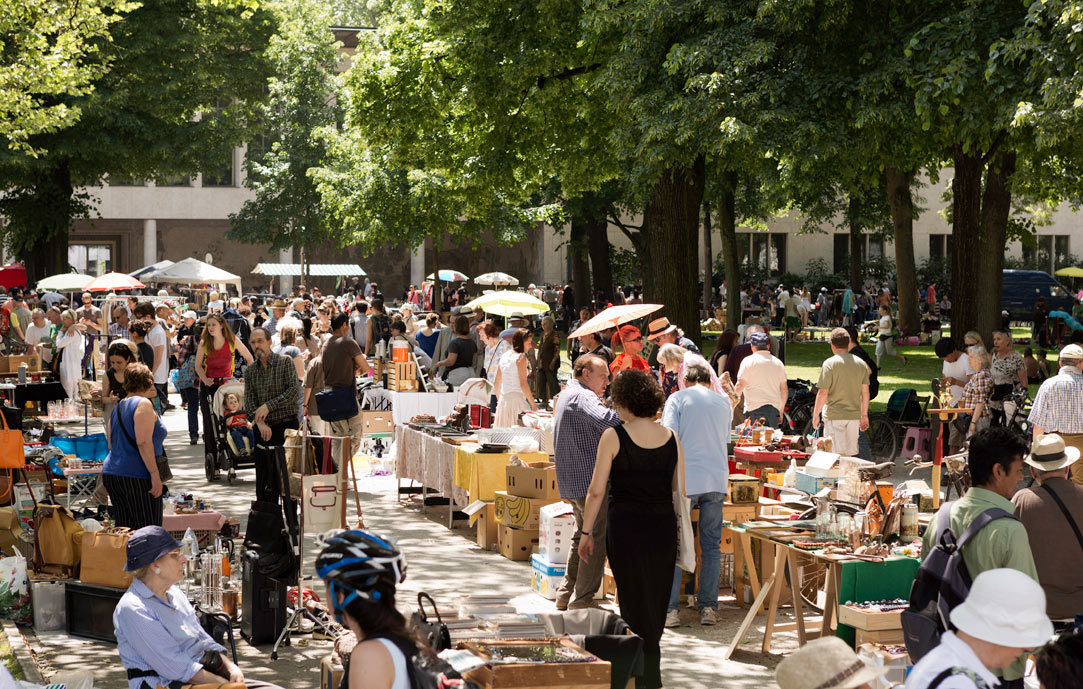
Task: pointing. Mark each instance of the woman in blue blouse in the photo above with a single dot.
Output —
(136, 434)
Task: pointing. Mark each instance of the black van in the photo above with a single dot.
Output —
(1021, 289)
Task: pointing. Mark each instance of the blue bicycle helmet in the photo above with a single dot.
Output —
(360, 563)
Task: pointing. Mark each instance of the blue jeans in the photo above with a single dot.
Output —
(239, 434)
(769, 414)
(864, 450)
(710, 535)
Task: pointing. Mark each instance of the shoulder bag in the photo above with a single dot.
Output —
(434, 633)
(1067, 514)
(164, 472)
(337, 404)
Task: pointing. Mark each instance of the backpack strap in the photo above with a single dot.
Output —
(1067, 514)
(952, 671)
(981, 522)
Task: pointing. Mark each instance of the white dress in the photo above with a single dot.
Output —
(512, 400)
(71, 363)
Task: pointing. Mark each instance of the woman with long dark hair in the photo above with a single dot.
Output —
(214, 366)
(726, 342)
(361, 571)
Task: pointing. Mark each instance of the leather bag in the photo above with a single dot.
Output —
(11, 447)
(337, 404)
(433, 632)
(59, 540)
(104, 554)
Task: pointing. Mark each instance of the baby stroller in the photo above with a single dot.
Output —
(230, 457)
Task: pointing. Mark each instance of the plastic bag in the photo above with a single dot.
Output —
(91, 525)
(15, 590)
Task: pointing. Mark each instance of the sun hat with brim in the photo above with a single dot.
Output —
(147, 545)
(1072, 352)
(827, 663)
(278, 304)
(659, 327)
(1004, 607)
(1049, 453)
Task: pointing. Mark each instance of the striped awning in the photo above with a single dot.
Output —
(314, 269)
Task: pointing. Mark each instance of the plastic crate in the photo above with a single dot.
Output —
(89, 447)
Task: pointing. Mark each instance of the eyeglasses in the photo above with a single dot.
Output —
(635, 339)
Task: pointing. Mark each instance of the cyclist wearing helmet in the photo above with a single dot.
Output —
(361, 571)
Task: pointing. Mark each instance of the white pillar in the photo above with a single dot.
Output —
(417, 266)
(285, 281)
(150, 242)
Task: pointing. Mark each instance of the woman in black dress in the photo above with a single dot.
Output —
(642, 464)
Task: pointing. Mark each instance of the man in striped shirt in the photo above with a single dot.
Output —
(1058, 406)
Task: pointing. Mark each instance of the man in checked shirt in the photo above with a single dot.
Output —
(580, 418)
(272, 400)
(1058, 406)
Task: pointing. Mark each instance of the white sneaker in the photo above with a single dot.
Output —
(708, 617)
(672, 619)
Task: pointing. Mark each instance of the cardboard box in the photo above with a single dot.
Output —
(897, 664)
(535, 480)
(330, 674)
(743, 488)
(10, 364)
(374, 423)
(812, 484)
(739, 513)
(556, 527)
(592, 674)
(24, 503)
(892, 637)
(486, 523)
(517, 544)
(522, 513)
(545, 576)
(870, 620)
(10, 528)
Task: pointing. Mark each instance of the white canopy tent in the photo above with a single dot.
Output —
(147, 271)
(194, 271)
(314, 269)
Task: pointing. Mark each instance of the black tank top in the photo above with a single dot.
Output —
(640, 475)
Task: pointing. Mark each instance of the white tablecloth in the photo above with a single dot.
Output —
(429, 460)
(405, 405)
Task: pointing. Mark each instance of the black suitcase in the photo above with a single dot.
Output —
(263, 602)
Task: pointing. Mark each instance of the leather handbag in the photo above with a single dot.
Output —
(11, 447)
(434, 633)
(59, 542)
(337, 404)
(104, 556)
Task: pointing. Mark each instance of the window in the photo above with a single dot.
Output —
(940, 246)
(763, 250)
(876, 247)
(91, 259)
(1061, 251)
(124, 181)
(842, 251)
(173, 181)
(220, 176)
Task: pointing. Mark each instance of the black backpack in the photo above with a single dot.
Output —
(941, 583)
(381, 326)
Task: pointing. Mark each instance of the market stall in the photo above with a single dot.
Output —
(406, 405)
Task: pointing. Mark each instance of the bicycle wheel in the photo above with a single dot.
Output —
(882, 439)
(800, 417)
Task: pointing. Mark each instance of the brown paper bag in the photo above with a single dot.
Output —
(104, 557)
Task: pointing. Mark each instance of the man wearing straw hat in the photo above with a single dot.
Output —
(826, 663)
(1052, 513)
(1002, 617)
(1058, 404)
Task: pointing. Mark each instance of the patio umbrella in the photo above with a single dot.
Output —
(497, 278)
(449, 275)
(614, 316)
(112, 282)
(506, 303)
(1070, 272)
(64, 282)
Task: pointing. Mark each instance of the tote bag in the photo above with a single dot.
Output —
(11, 447)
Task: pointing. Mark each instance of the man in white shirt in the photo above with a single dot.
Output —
(762, 380)
(1003, 616)
(956, 372)
(159, 342)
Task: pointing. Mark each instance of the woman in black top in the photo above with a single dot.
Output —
(460, 353)
(139, 330)
(641, 463)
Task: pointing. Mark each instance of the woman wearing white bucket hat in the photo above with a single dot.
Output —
(827, 663)
(1003, 615)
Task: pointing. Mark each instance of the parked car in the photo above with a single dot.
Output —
(1021, 289)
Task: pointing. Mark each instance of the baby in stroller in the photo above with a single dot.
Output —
(240, 430)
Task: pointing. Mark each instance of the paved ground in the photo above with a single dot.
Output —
(441, 562)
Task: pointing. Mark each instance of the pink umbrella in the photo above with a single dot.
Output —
(614, 316)
(113, 282)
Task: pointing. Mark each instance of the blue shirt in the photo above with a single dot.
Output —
(124, 458)
(578, 423)
(159, 635)
(702, 419)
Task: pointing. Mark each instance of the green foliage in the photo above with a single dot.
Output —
(303, 99)
(627, 269)
(50, 50)
(935, 271)
(820, 275)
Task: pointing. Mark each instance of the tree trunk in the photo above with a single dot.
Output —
(601, 271)
(857, 242)
(727, 230)
(437, 297)
(996, 207)
(577, 253)
(671, 226)
(902, 218)
(967, 258)
(47, 253)
(708, 263)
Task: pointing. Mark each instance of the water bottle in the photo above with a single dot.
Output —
(190, 544)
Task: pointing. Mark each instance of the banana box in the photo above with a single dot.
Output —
(533, 480)
(517, 544)
(545, 576)
(518, 512)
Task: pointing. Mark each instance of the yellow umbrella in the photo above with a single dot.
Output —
(1070, 272)
(505, 303)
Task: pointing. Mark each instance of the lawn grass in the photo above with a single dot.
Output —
(7, 657)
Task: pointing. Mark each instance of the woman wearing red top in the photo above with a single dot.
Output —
(630, 341)
(214, 366)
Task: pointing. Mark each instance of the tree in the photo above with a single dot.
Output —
(51, 48)
(303, 100)
(183, 82)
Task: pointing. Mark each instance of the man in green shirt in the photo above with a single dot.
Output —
(996, 469)
(843, 396)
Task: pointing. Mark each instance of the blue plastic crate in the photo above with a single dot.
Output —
(89, 447)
